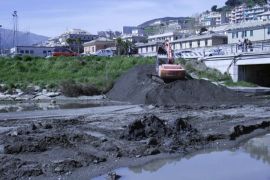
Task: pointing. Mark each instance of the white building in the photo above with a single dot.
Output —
(171, 36)
(253, 30)
(264, 16)
(147, 49)
(200, 41)
(190, 43)
(212, 18)
(34, 51)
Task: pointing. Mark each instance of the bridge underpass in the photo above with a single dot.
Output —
(250, 67)
(257, 74)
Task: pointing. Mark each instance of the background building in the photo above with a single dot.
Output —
(97, 44)
(254, 31)
(34, 51)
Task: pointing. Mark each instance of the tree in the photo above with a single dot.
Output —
(69, 41)
(214, 8)
(79, 43)
(234, 3)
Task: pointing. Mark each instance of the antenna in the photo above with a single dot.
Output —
(15, 28)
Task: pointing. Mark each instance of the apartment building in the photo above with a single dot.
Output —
(213, 18)
(244, 13)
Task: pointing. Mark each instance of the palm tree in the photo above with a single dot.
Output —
(69, 41)
(79, 43)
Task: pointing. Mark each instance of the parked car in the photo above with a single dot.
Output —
(104, 53)
(215, 52)
(60, 51)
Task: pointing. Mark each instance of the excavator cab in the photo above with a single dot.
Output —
(165, 67)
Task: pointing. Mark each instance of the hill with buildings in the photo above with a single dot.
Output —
(23, 38)
(165, 20)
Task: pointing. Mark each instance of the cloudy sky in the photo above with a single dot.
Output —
(52, 17)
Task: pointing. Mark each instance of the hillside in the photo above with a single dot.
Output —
(24, 38)
(164, 20)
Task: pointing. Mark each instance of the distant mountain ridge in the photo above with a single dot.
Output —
(24, 38)
(164, 19)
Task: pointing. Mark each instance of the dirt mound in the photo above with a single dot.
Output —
(136, 86)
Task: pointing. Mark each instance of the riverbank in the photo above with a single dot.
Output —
(101, 72)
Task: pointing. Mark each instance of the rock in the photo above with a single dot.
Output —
(62, 166)
(153, 151)
(5, 97)
(52, 94)
(152, 142)
(42, 97)
(14, 133)
(113, 176)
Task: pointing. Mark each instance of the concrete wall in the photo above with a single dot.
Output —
(223, 66)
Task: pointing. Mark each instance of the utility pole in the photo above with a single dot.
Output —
(15, 28)
(0, 39)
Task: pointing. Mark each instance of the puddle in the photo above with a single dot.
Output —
(251, 161)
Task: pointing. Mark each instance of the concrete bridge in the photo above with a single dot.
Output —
(251, 67)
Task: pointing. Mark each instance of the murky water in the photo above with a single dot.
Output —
(20, 107)
(250, 162)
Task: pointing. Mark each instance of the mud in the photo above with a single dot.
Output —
(137, 86)
(97, 143)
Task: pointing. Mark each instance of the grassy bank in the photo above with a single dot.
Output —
(50, 73)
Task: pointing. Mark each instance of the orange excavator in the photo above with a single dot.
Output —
(165, 67)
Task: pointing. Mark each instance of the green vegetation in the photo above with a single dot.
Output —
(250, 3)
(98, 71)
(229, 4)
(240, 83)
(200, 70)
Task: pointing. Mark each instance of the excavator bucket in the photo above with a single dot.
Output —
(171, 72)
(165, 67)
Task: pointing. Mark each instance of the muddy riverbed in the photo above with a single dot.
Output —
(89, 142)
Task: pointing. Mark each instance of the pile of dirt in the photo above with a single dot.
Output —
(137, 87)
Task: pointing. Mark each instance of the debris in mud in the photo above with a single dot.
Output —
(246, 129)
(13, 168)
(144, 128)
(113, 176)
(137, 87)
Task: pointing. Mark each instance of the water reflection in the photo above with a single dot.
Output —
(259, 148)
(252, 161)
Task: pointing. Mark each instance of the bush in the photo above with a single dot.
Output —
(27, 58)
(72, 89)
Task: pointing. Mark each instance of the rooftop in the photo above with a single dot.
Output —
(101, 39)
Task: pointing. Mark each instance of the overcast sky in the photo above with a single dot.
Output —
(52, 17)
